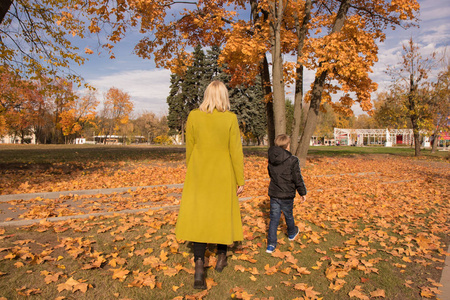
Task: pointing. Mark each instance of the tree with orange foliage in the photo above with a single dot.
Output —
(19, 103)
(78, 114)
(117, 107)
(35, 38)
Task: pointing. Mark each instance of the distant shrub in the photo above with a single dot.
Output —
(162, 140)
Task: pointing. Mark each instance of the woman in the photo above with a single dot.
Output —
(209, 210)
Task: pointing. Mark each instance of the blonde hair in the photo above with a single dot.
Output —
(282, 140)
(216, 97)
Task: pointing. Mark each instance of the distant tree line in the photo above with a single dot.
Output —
(187, 89)
(56, 114)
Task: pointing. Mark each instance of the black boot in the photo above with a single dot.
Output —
(221, 262)
(199, 276)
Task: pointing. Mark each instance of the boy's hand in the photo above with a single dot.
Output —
(240, 189)
(303, 198)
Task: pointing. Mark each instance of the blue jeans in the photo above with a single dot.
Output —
(276, 207)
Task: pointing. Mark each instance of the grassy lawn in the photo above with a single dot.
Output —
(44, 154)
(381, 234)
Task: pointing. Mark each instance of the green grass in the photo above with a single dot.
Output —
(53, 154)
(396, 151)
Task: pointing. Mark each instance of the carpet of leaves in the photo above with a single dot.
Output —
(372, 227)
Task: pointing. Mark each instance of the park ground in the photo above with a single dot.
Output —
(375, 226)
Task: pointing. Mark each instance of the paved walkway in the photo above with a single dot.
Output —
(445, 279)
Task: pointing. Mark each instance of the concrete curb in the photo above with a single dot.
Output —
(85, 216)
(56, 195)
(445, 279)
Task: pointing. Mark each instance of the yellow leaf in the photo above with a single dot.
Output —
(120, 274)
(163, 255)
(239, 268)
(407, 259)
(378, 293)
(357, 292)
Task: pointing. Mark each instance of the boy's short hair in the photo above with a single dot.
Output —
(282, 140)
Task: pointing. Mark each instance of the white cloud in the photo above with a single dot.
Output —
(148, 88)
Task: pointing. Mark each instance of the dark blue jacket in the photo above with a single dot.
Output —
(285, 174)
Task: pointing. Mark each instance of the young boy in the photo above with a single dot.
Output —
(285, 179)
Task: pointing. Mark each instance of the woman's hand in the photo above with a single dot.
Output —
(240, 189)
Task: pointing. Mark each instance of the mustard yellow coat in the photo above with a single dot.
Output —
(209, 210)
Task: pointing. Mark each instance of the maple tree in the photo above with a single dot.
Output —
(35, 38)
(117, 107)
(19, 103)
(411, 85)
(78, 114)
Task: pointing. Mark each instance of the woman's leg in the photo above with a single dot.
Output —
(222, 248)
(221, 257)
(199, 251)
(199, 259)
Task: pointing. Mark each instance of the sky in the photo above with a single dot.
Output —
(149, 86)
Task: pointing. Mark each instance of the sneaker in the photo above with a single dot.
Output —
(293, 236)
(270, 248)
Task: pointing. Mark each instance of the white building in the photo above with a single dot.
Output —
(387, 137)
(11, 139)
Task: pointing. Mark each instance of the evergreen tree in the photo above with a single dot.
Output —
(247, 103)
(195, 81)
(213, 70)
(289, 116)
(177, 115)
(186, 94)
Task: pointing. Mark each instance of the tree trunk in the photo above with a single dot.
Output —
(4, 7)
(298, 98)
(416, 143)
(416, 133)
(182, 134)
(435, 142)
(279, 106)
(298, 109)
(413, 115)
(311, 117)
(265, 78)
(316, 95)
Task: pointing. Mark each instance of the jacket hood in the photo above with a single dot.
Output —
(278, 155)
